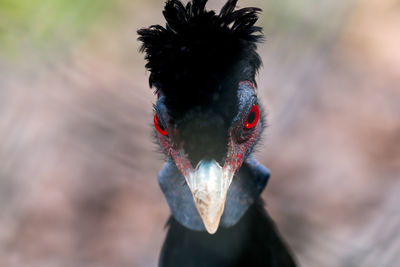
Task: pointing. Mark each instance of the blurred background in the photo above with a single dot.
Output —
(78, 168)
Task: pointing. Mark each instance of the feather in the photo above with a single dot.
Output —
(228, 8)
(199, 52)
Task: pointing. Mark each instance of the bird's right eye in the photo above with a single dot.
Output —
(252, 118)
(159, 127)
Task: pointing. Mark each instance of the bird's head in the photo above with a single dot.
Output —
(207, 117)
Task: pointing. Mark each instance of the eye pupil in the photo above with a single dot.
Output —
(251, 117)
(160, 126)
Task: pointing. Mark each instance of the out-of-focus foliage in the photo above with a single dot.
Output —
(46, 23)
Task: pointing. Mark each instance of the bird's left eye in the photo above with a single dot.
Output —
(159, 127)
(252, 118)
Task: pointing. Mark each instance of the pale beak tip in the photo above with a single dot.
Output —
(211, 215)
(211, 228)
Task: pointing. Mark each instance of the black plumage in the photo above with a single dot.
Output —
(207, 122)
(199, 53)
(252, 242)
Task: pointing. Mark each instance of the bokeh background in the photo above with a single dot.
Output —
(78, 167)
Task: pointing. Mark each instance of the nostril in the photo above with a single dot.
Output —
(222, 161)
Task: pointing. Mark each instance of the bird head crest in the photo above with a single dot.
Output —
(199, 52)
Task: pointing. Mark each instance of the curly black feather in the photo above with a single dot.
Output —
(199, 52)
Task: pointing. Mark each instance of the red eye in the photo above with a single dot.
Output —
(252, 118)
(159, 126)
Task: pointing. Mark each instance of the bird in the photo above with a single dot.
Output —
(207, 122)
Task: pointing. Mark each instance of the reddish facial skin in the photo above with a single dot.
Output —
(237, 150)
(177, 154)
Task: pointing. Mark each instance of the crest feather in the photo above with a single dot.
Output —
(200, 51)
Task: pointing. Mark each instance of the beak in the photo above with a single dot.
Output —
(209, 184)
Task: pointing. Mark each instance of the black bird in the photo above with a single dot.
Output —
(207, 121)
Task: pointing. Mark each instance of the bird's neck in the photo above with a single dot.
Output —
(253, 241)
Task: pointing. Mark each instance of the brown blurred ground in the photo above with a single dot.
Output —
(78, 168)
